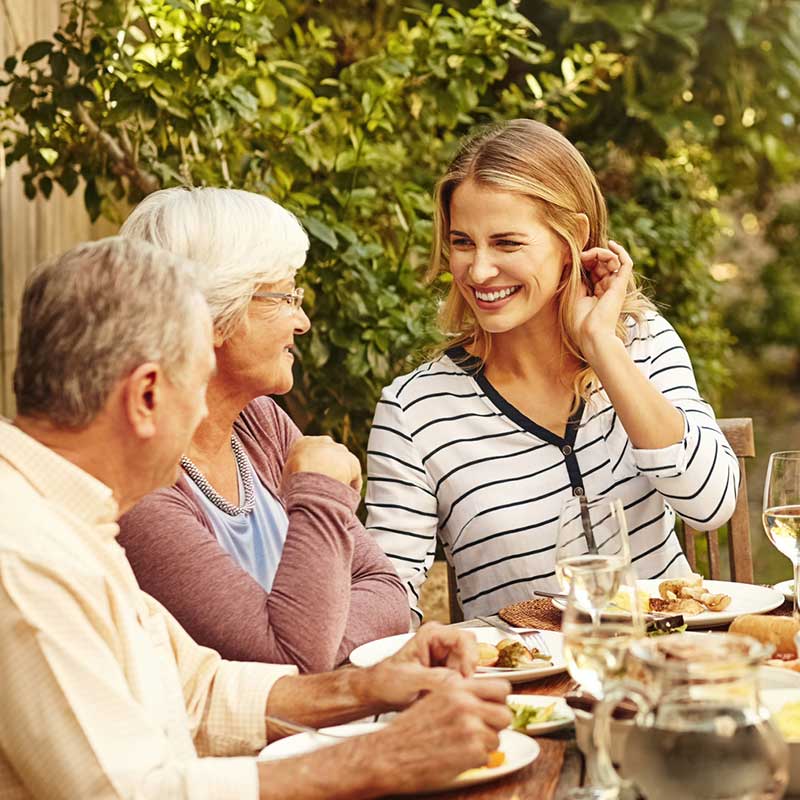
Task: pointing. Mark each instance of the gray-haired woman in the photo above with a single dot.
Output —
(256, 549)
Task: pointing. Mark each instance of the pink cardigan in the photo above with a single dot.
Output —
(334, 588)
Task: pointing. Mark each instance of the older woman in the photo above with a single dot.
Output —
(256, 549)
(559, 378)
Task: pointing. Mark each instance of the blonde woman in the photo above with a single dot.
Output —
(558, 378)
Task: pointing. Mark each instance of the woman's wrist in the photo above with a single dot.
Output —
(599, 348)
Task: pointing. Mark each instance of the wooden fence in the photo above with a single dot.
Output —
(30, 231)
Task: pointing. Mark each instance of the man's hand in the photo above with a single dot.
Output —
(435, 656)
(321, 454)
(438, 646)
(452, 729)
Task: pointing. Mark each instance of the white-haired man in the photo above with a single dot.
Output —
(102, 693)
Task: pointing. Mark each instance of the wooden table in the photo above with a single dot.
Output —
(558, 768)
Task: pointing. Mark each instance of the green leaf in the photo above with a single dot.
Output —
(59, 64)
(46, 185)
(202, 55)
(319, 230)
(10, 64)
(36, 51)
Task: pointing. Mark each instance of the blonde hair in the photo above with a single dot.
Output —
(530, 159)
(240, 240)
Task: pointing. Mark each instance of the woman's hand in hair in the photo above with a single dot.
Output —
(597, 310)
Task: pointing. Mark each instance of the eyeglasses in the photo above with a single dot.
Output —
(293, 299)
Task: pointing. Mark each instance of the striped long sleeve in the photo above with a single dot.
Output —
(449, 456)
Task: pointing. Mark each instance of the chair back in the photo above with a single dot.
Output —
(739, 433)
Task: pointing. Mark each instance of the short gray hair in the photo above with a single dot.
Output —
(240, 239)
(91, 316)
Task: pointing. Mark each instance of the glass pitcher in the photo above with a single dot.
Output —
(701, 731)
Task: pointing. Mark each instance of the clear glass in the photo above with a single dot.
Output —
(781, 515)
(592, 542)
(597, 640)
(701, 731)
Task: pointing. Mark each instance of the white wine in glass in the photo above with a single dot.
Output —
(592, 550)
(781, 514)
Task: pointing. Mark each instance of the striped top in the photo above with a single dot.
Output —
(448, 455)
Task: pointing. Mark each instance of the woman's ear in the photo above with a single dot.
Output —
(583, 230)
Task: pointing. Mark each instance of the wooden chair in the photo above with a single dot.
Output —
(739, 433)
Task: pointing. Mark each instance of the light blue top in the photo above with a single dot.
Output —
(255, 540)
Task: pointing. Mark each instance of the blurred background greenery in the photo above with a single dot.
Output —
(346, 113)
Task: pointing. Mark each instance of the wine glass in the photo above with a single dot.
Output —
(592, 542)
(781, 515)
(596, 644)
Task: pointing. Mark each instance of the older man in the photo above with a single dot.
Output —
(102, 694)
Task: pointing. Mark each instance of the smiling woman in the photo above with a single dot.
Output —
(256, 549)
(558, 378)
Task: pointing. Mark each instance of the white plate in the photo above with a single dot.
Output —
(746, 598)
(563, 713)
(778, 678)
(786, 588)
(520, 750)
(373, 652)
(775, 700)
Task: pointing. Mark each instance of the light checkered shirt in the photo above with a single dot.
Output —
(102, 693)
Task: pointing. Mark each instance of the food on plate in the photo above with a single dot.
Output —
(622, 600)
(514, 655)
(525, 715)
(496, 759)
(687, 596)
(685, 606)
(788, 721)
(778, 631)
(665, 625)
(487, 654)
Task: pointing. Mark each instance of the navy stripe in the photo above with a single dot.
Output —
(395, 458)
(669, 350)
(484, 461)
(671, 562)
(505, 559)
(507, 584)
(392, 430)
(402, 508)
(452, 419)
(424, 536)
(463, 441)
(375, 479)
(440, 394)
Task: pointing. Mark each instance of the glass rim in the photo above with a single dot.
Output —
(788, 455)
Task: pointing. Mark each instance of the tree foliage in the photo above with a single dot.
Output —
(347, 115)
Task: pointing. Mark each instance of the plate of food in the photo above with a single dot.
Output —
(544, 656)
(535, 714)
(786, 588)
(701, 603)
(515, 751)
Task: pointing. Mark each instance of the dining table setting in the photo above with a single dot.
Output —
(673, 687)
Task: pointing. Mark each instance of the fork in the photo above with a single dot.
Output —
(533, 635)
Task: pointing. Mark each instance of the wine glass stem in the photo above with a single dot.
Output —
(796, 592)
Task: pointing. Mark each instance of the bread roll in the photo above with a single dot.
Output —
(779, 631)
